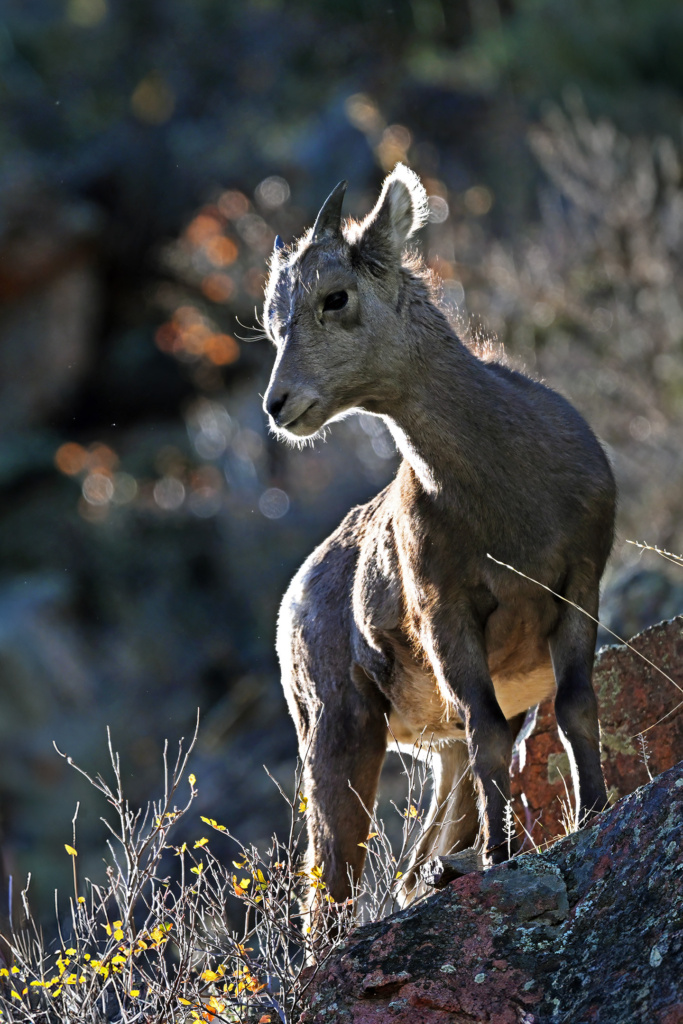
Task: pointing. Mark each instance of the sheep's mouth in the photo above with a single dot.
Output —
(295, 425)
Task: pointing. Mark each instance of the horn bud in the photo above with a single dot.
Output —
(328, 221)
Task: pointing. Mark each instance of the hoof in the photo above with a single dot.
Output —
(439, 871)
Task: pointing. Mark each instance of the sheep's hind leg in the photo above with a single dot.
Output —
(452, 824)
(572, 648)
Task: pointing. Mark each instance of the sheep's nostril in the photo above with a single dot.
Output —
(276, 405)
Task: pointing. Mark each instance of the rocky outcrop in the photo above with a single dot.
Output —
(635, 700)
(589, 931)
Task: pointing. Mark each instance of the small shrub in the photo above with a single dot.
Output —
(155, 943)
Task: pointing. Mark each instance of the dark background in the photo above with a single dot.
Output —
(149, 152)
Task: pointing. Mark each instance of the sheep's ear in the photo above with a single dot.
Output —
(401, 210)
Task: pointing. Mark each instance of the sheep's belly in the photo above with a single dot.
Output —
(420, 715)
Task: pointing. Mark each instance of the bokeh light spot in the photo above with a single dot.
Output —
(640, 428)
(255, 232)
(203, 228)
(233, 204)
(71, 458)
(205, 502)
(86, 13)
(438, 210)
(169, 493)
(221, 349)
(98, 489)
(125, 488)
(273, 503)
(272, 192)
(393, 146)
(478, 200)
(153, 100)
(542, 314)
(454, 292)
(218, 287)
(221, 251)
(102, 459)
(363, 114)
(602, 319)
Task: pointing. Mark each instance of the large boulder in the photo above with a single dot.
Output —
(585, 929)
(589, 931)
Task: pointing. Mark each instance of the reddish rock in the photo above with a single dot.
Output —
(588, 932)
(634, 698)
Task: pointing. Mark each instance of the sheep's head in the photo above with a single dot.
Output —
(333, 309)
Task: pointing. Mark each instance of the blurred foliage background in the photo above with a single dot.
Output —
(149, 152)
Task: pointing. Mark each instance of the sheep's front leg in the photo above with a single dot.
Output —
(342, 757)
(460, 666)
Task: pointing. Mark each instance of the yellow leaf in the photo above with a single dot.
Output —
(399, 874)
(135, 992)
(15, 970)
(181, 850)
(201, 842)
(303, 804)
(198, 869)
(81, 899)
(213, 823)
(364, 845)
(4, 973)
(192, 779)
(185, 1002)
(245, 883)
(373, 835)
(70, 850)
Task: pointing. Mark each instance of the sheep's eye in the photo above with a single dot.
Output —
(335, 300)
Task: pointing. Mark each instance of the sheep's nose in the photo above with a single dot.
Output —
(276, 404)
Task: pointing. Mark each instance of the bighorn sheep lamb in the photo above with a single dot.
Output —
(400, 616)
